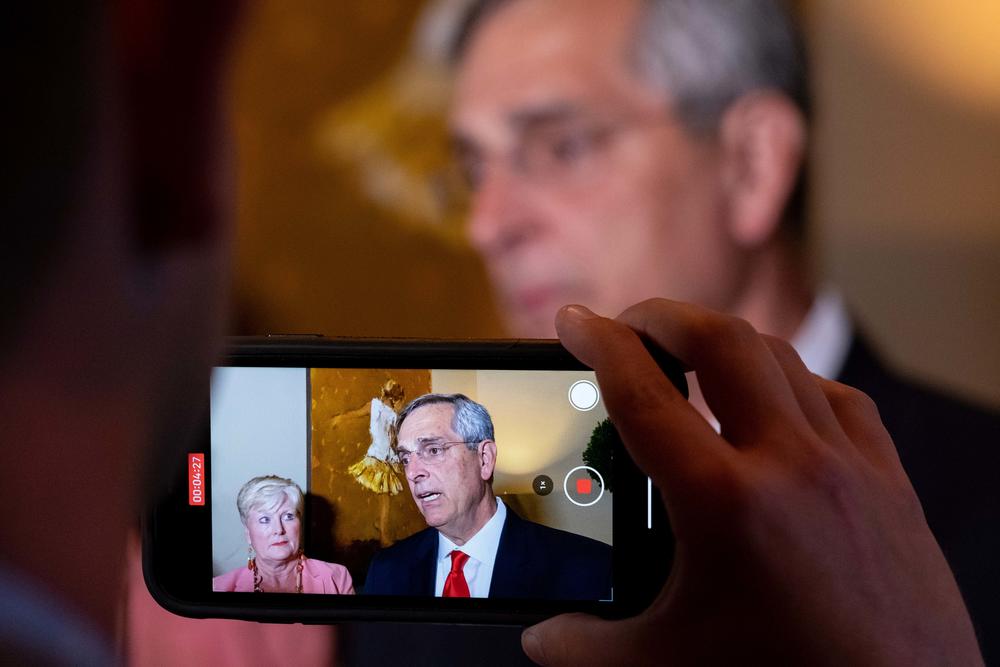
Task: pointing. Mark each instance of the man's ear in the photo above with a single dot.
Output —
(763, 140)
(487, 459)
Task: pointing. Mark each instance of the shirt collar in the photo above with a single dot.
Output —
(484, 544)
(824, 337)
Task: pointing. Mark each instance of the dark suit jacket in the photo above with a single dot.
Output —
(951, 451)
(533, 561)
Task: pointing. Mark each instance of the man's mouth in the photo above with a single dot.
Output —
(428, 496)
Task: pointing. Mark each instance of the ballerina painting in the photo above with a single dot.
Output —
(379, 470)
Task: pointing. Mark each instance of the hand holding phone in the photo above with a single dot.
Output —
(799, 537)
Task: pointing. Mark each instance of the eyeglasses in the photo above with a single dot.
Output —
(551, 151)
(431, 454)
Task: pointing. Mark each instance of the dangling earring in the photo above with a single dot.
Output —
(252, 566)
(298, 571)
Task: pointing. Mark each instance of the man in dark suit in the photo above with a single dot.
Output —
(657, 149)
(474, 545)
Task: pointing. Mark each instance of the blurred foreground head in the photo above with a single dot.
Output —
(114, 264)
(116, 212)
(623, 149)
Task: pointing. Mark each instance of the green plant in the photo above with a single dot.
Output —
(598, 453)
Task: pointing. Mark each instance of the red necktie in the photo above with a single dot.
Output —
(455, 585)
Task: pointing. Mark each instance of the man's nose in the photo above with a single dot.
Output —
(499, 217)
(416, 470)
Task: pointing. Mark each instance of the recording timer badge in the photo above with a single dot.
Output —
(196, 479)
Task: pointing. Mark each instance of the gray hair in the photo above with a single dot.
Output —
(268, 491)
(471, 420)
(705, 54)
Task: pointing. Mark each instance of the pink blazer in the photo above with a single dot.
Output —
(317, 577)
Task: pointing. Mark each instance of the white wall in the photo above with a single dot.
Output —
(259, 427)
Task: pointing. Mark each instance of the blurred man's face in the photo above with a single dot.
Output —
(585, 189)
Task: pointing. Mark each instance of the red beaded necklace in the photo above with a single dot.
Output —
(258, 579)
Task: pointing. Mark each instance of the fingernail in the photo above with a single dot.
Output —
(532, 645)
(578, 312)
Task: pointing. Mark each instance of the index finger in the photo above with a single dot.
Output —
(663, 432)
(742, 381)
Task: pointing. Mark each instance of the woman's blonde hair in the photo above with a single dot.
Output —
(268, 491)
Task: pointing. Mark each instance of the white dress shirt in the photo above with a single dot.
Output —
(482, 552)
(824, 337)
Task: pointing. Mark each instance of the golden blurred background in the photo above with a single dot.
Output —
(350, 224)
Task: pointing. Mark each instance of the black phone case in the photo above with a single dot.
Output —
(175, 572)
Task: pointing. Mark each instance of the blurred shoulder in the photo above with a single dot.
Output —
(913, 410)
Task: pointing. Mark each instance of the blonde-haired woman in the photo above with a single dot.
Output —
(271, 510)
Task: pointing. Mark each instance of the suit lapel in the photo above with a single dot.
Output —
(510, 576)
(861, 367)
(311, 581)
(423, 570)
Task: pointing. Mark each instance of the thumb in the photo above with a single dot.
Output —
(579, 639)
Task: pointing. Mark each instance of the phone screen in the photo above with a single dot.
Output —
(484, 488)
(330, 433)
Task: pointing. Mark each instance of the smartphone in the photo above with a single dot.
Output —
(316, 493)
